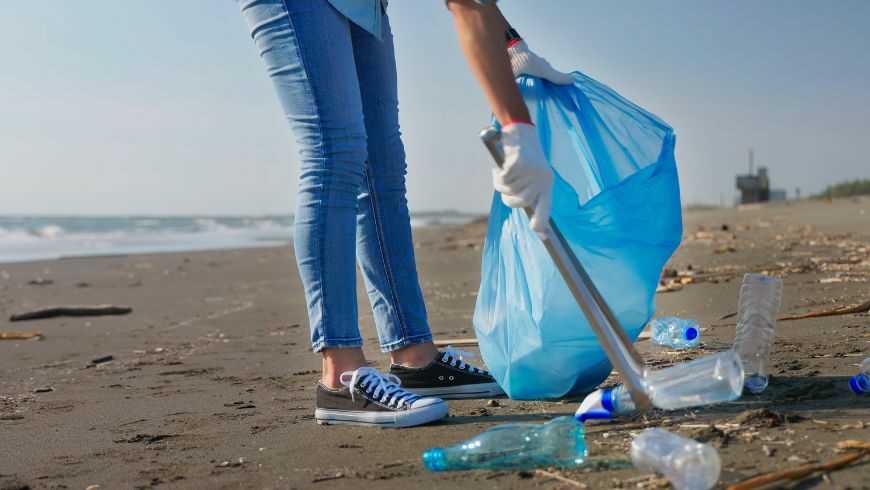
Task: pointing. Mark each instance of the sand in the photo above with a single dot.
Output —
(211, 380)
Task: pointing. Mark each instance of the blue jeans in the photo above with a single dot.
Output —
(337, 86)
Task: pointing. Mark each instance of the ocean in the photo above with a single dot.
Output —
(24, 238)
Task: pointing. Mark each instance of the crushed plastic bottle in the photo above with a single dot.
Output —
(560, 442)
(687, 464)
(676, 333)
(860, 383)
(757, 309)
(711, 379)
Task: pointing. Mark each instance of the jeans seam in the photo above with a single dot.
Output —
(376, 217)
(320, 222)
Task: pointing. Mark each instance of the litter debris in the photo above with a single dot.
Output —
(712, 379)
(79, 310)
(560, 442)
(860, 383)
(765, 417)
(675, 332)
(556, 476)
(758, 306)
(800, 472)
(43, 389)
(20, 335)
(100, 360)
(687, 464)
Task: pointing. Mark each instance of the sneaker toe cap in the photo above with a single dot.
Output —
(427, 402)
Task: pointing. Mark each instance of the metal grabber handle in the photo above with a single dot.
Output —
(619, 349)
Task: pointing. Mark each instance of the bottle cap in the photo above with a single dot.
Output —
(597, 405)
(859, 384)
(691, 333)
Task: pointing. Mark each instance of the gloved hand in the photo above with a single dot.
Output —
(526, 179)
(525, 62)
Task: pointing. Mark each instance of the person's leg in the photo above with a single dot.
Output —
(308, 53)
(307, 49)
(384, 247)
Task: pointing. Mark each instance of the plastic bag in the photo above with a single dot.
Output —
(616, 200)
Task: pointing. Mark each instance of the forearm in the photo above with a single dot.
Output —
(480, 29)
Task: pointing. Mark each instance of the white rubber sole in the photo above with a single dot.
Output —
(405, 418)
(481, 390)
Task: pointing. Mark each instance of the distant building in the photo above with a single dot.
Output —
(754, 187)
(778, 195)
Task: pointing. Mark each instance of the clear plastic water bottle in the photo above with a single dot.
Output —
(757, 309)
(559, 442)
(676, 333)
(687, 464)
(860, 383)
(711, 379)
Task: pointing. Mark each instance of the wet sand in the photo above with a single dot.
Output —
(211, 380)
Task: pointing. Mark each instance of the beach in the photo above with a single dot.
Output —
(211, 378)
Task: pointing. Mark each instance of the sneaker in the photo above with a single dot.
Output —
(448, 377)
(369, 397)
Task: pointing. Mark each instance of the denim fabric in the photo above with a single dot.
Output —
(366, 13)
(337, 86)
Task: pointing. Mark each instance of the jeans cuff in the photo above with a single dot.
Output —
(405, 342)
(325, 343)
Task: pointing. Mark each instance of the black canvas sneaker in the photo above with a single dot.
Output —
(448, 377)
(369, 397)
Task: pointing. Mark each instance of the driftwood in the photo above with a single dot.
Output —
(457, 342)
(799, 472)
(77, 310)
(20, 335)
(838, 310)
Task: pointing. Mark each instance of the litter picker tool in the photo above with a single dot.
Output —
(618, 347)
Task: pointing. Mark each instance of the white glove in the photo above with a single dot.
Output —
(526, 179)
(525, 62)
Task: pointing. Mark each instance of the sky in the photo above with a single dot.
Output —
(164, 107)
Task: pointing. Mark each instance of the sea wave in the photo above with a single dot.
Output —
(33, 238)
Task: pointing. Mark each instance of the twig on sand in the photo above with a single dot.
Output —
(556, 476)
(77, 310)
(458, 342)
(839, 310)
(844, 446)
(799, 472)
(20, 335)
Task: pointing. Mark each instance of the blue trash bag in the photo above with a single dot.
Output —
(616, 200)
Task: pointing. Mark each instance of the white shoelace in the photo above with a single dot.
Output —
(455, 358)
(382, 387)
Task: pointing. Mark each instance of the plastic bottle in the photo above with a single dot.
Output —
(559, 442)
(675, 332)
(757, 309)
(687, 464)
(860, 383)
(711, 379)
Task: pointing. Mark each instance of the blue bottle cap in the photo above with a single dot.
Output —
(691, 333)
(607, 401)
(859, 385)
